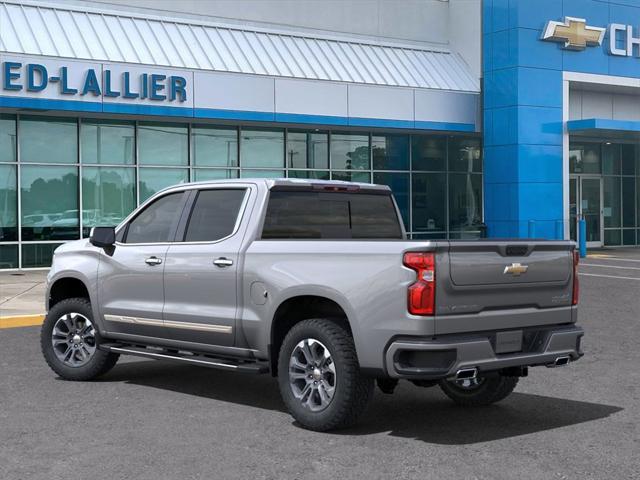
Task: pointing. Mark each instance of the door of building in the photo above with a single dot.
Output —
(585, 201)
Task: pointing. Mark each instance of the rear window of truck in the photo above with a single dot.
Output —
(330, 216)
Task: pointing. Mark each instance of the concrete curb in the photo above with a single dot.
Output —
(21, 321)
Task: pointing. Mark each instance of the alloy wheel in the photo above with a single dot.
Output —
(312, 374)
(74, 339)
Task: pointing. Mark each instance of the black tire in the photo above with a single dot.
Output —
(99, 363)
(491, 389)
(352, 390)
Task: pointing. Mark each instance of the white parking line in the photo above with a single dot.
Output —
(608, 276)
(607, 266)
(615, 259)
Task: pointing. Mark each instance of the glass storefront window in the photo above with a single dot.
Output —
(162, 144)
(48, 139)
(108, 195)
(429, 236)
(215, 146)
(628, 236)
(351, 176)
(429, 153)
(307, 149)
(465, 201)
(611, 202)
(315, 174)
(8, 256)
(261, 148)
(107, 142)
(8, 145)
(8, 204)
(262, 174)
(429, 202)
(350, 152)
(584, 158)
(203, 174)
(628, 202)
(629, 159)
(122, 162)
(465, 154)
(49, 202)
(399, 184)
(619, 164)
(38, 255)
(612, 237)
(390, 152)
(153, 180)
(611, 158)
(638, 203)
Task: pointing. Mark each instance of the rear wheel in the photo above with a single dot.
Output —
(70, 340)
(483, 390)
(319, 376)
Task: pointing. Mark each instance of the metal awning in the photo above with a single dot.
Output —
(604, 127)
(68, 32)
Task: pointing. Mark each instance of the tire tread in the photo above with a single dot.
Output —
(494, 389)
(352, 401)
(101, 362)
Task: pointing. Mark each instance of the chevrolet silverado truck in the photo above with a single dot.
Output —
(315, 283)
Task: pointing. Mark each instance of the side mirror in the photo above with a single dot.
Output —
(103, 237)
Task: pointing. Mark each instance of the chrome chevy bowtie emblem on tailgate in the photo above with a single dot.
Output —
(516, 269)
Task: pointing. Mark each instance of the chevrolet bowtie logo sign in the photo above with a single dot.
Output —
(574, 33)
(516, 269)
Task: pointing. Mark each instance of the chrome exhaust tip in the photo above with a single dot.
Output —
(467, 373)
(560, 361)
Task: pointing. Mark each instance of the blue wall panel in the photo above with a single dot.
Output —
(534, 53)
(539, 163)
(523, 102)
(533, 14)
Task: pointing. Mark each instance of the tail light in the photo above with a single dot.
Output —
(421, 295)
(576, 280)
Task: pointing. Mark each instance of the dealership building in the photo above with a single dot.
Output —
(498, 117)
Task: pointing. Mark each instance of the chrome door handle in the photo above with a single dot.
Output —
(153, 261)
(223, 262)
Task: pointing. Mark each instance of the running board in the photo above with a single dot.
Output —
(181, 356)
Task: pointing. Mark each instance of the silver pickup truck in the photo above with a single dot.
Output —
(315, 283)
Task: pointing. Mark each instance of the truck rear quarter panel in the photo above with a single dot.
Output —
(366, 278)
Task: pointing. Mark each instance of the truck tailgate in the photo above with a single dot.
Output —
(490, 285)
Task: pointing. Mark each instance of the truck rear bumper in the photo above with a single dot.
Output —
(443, 357)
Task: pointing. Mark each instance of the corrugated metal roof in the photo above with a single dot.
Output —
(115, 37)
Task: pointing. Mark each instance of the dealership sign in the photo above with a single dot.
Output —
(36, 77)
(574, 34)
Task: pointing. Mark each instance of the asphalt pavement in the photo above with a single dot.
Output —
(156, 420)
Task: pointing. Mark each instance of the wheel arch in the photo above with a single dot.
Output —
(296, 309)
(66, 287)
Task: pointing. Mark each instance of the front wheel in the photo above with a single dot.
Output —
(70, 340)
(482, 390)
(319, 376)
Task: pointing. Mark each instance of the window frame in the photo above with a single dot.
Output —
(124, 226)
(188, 209)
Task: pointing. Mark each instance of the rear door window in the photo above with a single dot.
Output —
(214, 214)
(330, 215)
